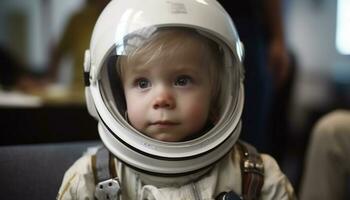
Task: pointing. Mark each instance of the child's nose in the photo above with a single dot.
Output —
(164, 99)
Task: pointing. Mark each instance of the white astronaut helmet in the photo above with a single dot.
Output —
(124, 24)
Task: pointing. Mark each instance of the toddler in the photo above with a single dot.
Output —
(164, 80)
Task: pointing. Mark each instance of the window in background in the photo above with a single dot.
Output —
(343, 27)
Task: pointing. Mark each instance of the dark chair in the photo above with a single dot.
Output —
(36, 171)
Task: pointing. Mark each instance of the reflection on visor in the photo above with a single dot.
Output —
(134, 40)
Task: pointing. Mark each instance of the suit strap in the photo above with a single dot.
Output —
(106, 179)
(252, 170)
(102, 165)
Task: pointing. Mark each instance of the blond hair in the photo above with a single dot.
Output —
(166, 43)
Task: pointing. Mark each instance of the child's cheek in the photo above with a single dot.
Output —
(134, 117)
(198, 114)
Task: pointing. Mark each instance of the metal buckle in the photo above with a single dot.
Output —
(108, 190)
(228, 196)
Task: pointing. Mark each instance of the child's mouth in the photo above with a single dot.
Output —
(164, 124)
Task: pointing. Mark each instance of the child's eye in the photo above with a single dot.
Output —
(183, 80)
(142, 83)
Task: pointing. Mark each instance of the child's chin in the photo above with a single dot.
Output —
(166, 137)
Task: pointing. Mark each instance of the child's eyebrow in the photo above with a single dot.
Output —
(136, 70)
(195, 68)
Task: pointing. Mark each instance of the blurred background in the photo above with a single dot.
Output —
(41, 88)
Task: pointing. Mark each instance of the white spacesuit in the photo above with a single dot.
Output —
(201, 167)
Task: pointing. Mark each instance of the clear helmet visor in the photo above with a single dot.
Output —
(161, 70)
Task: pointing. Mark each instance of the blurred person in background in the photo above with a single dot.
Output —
(327, 165)
(74, 41)
(259, 24)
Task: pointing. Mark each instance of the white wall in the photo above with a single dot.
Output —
(32, 50)
(311, 32)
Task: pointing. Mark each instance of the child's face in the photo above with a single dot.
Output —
(168, 99)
